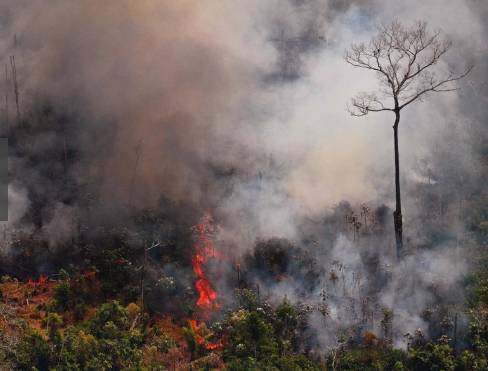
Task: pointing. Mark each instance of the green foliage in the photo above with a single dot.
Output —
(287, 314)
(238, 364)
(432, 356)
(6, 279)
(262, 339)
(191, 339)
(109, 312)
(33, 352)
(255, 327)
(248, 298)
(286, 364)
(52, 322)
(63, 295)
(290, 322)
(80, 310)
(468, 361)
(63, 275)
(395, 359)
(102, 342)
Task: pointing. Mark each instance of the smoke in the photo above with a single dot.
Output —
(18, 204)
(235, 107)
(166, 89)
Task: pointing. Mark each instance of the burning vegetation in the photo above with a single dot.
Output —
(136, 198)
(161, 284)
(204, 249)
(39, 282)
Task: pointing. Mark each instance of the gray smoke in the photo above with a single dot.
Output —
(235, 107)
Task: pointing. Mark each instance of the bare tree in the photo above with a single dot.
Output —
(6, 96)
(402, 59)
(16, 88)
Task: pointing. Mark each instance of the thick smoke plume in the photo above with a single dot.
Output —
(238, 108)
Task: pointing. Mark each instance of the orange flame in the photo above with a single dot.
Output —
(40, 282)
(201, 340)
(206, 292)
(205, 249)
(220, 344)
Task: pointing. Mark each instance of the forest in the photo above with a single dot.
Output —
(189, 188)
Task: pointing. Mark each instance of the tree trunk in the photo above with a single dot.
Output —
(16, 88)
(397, 214)
(6, 97)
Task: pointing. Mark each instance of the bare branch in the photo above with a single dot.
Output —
(364, 103)
(437, 86)
(155, 243)
(402, 59)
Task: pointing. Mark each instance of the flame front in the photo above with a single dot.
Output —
(204, 249)
(40, 282)
(200, 338)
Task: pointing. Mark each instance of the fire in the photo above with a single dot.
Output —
(40, 282)
(201, 339)
(89, 273)
(204, 249)
(206, 292)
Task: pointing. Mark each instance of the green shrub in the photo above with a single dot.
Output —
(80, 310)
(63, 295)
(63, 275)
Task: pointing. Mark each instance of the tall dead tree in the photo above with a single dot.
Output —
(16, 88)
(402, 59)
(6, 95)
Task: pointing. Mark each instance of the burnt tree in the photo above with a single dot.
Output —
(403, 59)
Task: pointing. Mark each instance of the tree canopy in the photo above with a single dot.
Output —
(402, 58)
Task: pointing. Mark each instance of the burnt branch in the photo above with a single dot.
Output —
(401, 58)
(366, 102)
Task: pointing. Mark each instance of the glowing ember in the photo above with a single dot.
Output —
(40, 282)
(89, 273)
(204, 249)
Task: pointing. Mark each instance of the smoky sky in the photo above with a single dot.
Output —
(168, 98)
